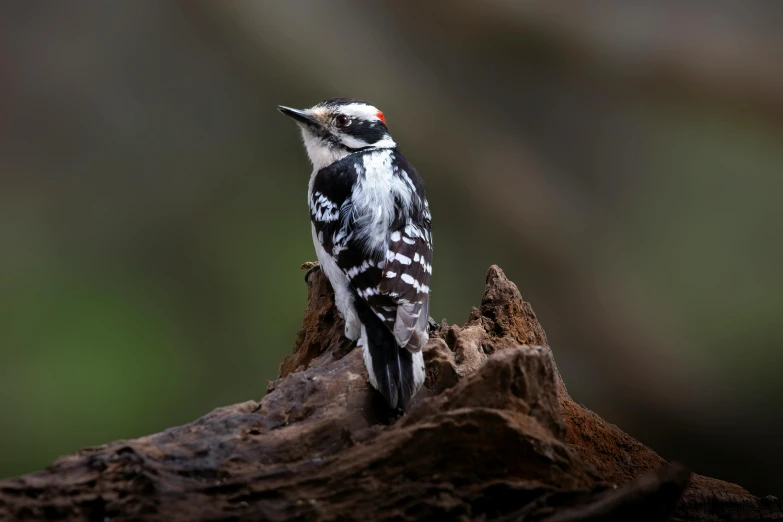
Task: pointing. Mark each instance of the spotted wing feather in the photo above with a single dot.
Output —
(406, 279)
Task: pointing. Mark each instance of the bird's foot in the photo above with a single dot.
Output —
(311, 266)
(432, 326)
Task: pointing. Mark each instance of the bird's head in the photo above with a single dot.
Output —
(335, 128)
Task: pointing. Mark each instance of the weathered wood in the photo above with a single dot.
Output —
(494, 435)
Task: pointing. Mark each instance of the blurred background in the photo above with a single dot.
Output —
(620, 160)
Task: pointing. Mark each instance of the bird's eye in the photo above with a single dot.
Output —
(342, 120)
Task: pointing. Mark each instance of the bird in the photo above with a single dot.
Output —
(372, 231)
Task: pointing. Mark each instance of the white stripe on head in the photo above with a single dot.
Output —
(361, 110)
(355, 143)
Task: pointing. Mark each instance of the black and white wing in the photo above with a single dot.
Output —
(406, 281)
(330, 202)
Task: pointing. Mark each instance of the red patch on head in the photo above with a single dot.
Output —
(381, 117)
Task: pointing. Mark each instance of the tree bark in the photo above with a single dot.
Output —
(493, 435)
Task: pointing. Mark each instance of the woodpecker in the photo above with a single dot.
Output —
(371, 227)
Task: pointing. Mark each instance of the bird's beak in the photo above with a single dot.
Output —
(297, 115)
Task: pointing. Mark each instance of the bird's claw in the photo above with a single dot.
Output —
(311, 266)
(432, 325)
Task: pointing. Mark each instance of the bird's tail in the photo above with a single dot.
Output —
(394, 371)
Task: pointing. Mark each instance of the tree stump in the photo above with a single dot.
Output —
(493, 435)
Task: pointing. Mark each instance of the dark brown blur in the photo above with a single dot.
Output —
(621, 161)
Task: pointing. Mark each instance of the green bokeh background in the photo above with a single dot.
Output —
(153, 216)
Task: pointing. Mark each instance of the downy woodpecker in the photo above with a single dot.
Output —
(371, 230)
